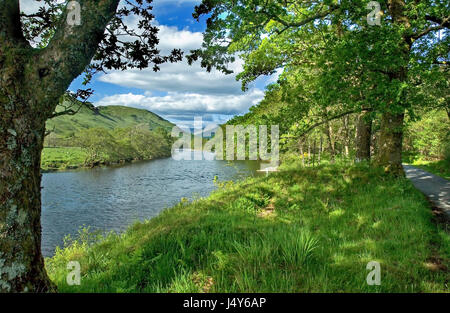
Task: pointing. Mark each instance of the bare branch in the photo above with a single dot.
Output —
(438, 20)
(313, 126)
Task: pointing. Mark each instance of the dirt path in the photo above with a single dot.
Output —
(436, 188)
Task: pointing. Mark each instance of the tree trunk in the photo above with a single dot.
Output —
(31, 84)
(389, 153)
(314, 154)
(346, 135)
(309, 153)
(363, 136)
(301, 153)
(331, 142)
(320, 150)
(21, 142)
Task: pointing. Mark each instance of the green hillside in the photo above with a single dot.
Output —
(104, 135)
(109, 117)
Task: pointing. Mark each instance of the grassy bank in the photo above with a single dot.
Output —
(62, 158)
(67, 158)
(298, 230)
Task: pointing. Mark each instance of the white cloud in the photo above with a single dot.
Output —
(180, 108)
(186, 104)
(186, 90)
(178, 77)
(171, 37)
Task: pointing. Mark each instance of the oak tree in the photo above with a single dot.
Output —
(386, 63)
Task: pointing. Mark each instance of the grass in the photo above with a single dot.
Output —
(297, 230)
(62, 158)
(440, 168)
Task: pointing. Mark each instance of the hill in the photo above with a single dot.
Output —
(104, 135)
(108, 117)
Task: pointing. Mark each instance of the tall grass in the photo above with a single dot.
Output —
(298, 230)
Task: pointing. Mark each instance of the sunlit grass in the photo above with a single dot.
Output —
(320, 229)
(440, 168)
(62, 158)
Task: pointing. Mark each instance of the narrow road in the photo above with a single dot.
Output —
(436, 188)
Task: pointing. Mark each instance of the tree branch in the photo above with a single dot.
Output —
(438, 20)
(310, 128)
(287, 24)
(72, 47)
(444, 24)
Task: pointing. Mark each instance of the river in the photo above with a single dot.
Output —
(113, 198)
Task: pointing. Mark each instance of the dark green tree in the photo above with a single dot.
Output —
(380, 65)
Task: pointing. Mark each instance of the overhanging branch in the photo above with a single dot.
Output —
(72, 47)
(310, 128)
(287, 24)
(444, 23)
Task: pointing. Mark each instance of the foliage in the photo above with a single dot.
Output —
(105, 135)
(115, 51)
(102, 146)
(334, 62)
(440, 168)
(429, 137)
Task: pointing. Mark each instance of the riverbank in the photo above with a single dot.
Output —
(62, 158)
(297, 230)
(70, 158)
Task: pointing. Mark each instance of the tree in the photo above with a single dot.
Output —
(32, 80)
(389, 57)
(99, 145)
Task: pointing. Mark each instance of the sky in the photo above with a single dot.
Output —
(178, 92)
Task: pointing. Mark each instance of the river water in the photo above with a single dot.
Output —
(112, 198)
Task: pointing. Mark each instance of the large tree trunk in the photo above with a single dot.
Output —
(31, 83)
(363, 136)
(389, 154)
(390, 143)
(21, 261)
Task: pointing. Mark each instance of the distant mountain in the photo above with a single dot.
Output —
(109, 117)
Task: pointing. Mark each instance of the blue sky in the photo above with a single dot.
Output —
(178, 92)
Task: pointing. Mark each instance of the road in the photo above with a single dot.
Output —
(436, 188)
